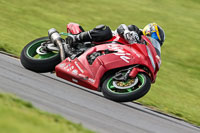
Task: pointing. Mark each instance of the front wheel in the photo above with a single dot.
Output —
(132, 89)
(34, 58)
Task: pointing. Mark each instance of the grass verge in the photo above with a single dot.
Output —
(18, 116)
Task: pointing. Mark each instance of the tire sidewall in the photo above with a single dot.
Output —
(38, 65)
(136, 94)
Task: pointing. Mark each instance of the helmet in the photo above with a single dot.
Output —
(155, 31)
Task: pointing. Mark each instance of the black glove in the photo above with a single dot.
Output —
(136, 29)
(133, 28)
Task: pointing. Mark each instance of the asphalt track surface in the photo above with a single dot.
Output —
(81, 105)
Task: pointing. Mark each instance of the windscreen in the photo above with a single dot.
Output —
(156, 45)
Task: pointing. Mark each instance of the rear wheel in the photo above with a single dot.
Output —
(131, 89)
(35, 58)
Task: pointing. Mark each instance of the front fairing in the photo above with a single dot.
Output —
(156, 45)
(157, 48)
(154, 52)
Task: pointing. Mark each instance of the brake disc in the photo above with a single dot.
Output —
(125, 85)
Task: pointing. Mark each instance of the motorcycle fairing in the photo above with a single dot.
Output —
(88, 75)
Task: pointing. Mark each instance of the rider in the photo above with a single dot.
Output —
(131, 33)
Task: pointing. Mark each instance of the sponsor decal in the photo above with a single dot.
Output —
(83, 76)
(116, 48)
(124, 57)
(79, 67)
(69, 68)
(75, 72)
(121, 53)
(75, 80)
(91, 80)
(62, 65)
(136, 53)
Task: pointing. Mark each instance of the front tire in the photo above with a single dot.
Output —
(132, 92)
(31, 60)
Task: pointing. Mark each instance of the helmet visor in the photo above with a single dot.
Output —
(155, 36)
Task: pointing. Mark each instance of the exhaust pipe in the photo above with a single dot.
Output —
(55, 37)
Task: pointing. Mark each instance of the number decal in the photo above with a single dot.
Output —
(125, 58)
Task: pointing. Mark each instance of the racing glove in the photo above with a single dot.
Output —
(129, 33)
(131, 37)
(136, 29)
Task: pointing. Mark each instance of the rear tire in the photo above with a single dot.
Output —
(30, 60)
(132, 93)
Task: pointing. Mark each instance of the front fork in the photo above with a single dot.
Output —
(123, 75)
(135, 71)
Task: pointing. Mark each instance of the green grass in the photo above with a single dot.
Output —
(176, 90)
(18, 116)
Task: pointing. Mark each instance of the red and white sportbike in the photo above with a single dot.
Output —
(123, 72)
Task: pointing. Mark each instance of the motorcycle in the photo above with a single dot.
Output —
(122, 72)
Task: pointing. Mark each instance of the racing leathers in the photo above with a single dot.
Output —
(101, 33)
